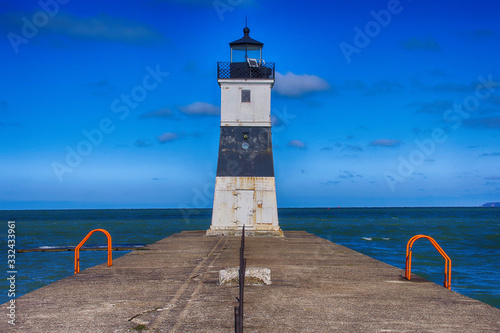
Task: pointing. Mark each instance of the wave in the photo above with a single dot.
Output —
(375, 238)
(53, 247)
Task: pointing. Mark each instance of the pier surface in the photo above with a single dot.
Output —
(317, 286)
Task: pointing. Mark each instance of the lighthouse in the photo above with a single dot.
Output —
(245, 191)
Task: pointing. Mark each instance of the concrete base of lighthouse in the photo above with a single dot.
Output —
(245, 201)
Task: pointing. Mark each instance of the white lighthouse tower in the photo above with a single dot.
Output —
(245, 191)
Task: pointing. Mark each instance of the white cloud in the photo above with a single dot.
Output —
(142, 143)
(103, 27)
(293, 85)
(481, 123)
(436, 106)
(102, 87)
(201, 108)
(160, 113)
(297, 144)
(428, 44)
(491, 154)
(385, 143)
(167, 137)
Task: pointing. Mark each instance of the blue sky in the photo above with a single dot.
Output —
(376, 103)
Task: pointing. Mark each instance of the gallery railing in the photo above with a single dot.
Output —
(245, 70)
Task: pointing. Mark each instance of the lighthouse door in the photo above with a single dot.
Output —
(244, 208)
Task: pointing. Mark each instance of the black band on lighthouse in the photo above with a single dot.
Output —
(245, 151)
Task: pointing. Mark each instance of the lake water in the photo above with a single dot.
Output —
(470, 237)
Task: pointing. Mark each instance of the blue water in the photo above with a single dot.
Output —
(470, 236)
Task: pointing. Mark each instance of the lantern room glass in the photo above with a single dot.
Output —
(240, 53)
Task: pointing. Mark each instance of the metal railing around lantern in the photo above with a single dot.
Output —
(244, 70)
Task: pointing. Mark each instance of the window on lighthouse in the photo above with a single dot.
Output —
(245, 96)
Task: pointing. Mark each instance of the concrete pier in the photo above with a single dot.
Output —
(317, 286)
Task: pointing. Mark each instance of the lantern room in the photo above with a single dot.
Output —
(246, 48)
(246, 60)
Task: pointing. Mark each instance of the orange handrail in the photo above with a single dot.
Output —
(77, 249)
(447, 264)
